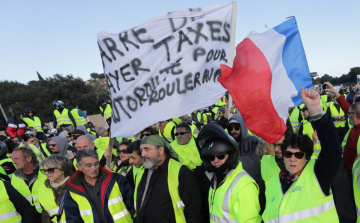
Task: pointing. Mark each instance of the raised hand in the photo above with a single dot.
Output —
(311, 99)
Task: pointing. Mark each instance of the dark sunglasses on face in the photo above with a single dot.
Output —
(231, 127)
(145, 134)
(52, 145)
(298, 155)
(220, 156)
(122, 151)
(30, 112)
(180, 133)
(49, 170)
(276, 145)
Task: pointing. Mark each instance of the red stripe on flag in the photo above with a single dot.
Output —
(249, 83)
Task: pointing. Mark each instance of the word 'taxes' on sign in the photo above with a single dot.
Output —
(165, 67)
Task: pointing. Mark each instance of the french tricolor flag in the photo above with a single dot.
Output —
(268, 72)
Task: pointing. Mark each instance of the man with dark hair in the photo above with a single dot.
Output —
(94, 194)
(28, 179)
(164, 190)
(135, 161)
(247, 145)
(5, 161)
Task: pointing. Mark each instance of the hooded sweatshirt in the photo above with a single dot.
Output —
(83, 128)
(62, 144)
(247, 146)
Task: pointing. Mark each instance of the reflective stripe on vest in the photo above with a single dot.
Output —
(317, 150)
(85, 212)
(36, 123)
(8, 211)
(120, 214)
(296, 216)
(62, 118)
(78, 119)
(337, 114)
(53, 211)
(8, 215)
(225, 204)
(115, 200)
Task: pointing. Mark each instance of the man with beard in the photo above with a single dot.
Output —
(165, 190)
(94, 194)
(247, 145)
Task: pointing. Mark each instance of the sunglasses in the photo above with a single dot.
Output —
(49, 170)
(52, 145)
(146, 134)
(31, 141)
(122, 151)
(230, 128)
(298, 155)
(30, 112)
(180, 133)
(220, 156)
(276, 145)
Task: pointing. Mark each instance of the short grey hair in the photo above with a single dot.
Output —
(102, 130)
(81, 154)
(26, 152)
(60, 162)
(356, 108)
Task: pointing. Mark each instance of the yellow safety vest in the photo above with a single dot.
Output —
(107, 112)
(356, 185)
(116, 206)
(47, 200)
(173, 183)
(63, 118)
(222, 201)
(36, 123)
(78, 119)
(304, 201)
(188, 154)
(8, 213)
(335, 113)
(20, 185)
(294, 118)
(269, 167)
(309, 131)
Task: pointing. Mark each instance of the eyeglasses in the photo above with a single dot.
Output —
(146, 134)
(298, 155)
(180, 133)
(220, 156)
(220, 113)
(349, 113)
(31, 141)
(231, 127)
(122, 151)
(49, 170)
(52, 145)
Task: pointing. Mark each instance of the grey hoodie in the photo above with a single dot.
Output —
(247, 146)
(83, 128)
(62, 144)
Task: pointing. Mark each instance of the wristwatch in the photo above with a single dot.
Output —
(316, 117)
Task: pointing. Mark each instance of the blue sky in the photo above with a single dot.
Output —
(61, 36)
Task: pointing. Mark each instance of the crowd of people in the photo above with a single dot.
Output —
(205, 166)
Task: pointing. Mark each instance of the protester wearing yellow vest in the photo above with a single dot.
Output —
(185, 147)
(28, 179)
(167, 130)
(301, 192)
(164, 190)
(63, 117)
(295, 118)
(14, 207)
(58, 170)
(271, 165)
(338, 116)
(106, 110)
(32, 121)
(135, 160)
(233, 195)
(94, 194)
(79, 116)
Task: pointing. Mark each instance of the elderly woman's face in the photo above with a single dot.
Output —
(294, 160)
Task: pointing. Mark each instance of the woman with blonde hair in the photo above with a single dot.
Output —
(58, 170)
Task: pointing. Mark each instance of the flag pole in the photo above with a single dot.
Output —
(232, 46)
